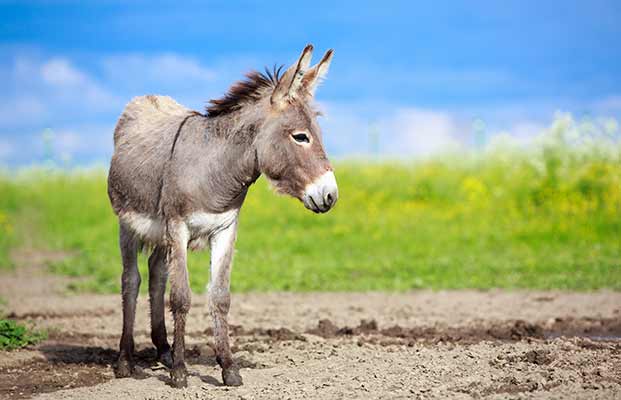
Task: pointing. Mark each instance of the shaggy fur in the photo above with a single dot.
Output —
(246, 91)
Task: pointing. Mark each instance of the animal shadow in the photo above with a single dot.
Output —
(145, 360)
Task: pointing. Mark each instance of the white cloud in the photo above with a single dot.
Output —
(418, 132)
(71, 84)
(397, 132)
(43, 91)
(161, 69)
(59, 72)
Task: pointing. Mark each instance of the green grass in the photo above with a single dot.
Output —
(549, 218)
(15, 336)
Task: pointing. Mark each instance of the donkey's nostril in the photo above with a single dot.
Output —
(329, 200)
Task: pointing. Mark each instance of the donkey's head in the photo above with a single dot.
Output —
(289, 145)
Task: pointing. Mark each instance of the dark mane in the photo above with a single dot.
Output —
(247, 90)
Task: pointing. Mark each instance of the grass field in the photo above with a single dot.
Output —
(549, 217)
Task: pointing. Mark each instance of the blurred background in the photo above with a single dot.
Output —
(477, 144)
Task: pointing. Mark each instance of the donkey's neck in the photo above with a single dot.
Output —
(213, 164)
(231, 139)
(235, 126)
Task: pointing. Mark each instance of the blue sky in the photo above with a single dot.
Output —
(420, 75)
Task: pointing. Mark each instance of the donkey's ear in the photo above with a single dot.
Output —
(313, 77)
(291, 81)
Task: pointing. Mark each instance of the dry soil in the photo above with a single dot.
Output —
(437, 345)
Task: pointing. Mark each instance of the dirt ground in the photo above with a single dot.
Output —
(423, 344)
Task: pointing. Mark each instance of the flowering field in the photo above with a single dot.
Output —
(545, 217)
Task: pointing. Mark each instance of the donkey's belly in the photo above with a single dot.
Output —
(200, 226)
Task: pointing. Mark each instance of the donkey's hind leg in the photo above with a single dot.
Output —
(130, 284)
(158, 274)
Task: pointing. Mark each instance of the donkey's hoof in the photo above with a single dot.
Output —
(231, 377)
(166, 359)
(124, 369)
(179, 377)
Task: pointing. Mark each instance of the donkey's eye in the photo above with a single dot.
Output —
(300, 137)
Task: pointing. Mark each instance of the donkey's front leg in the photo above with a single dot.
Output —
(180, 296)
(222, 246)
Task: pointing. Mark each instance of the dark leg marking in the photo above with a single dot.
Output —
(130, 285)
(158, 275)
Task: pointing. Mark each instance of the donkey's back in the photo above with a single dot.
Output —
(143, 139)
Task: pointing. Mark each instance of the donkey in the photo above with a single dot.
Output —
(177, 181)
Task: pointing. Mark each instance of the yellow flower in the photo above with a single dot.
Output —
(5, 226)
(475, 190)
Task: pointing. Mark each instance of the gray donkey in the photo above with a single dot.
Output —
(178, 179)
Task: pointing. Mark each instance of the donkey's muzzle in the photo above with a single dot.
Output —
(321, 195)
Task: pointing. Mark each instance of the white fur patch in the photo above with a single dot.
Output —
(148, 229)
(200, 226)
(221, 244)
(315, 192)
(325, 183)
(205, 224)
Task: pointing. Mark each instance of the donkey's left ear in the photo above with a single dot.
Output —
(291, 81)
(313, 77)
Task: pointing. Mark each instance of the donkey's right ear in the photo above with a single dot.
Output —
(314, 76)
(291, 81)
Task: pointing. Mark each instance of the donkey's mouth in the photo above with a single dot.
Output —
(312, 205)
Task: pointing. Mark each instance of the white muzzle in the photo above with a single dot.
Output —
(321, 195)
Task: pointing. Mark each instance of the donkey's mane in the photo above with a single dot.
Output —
(244, 91)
